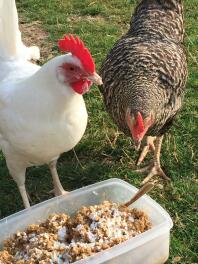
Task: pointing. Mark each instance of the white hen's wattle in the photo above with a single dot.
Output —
(40, 117)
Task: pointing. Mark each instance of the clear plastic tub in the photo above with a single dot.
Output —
(150, 247)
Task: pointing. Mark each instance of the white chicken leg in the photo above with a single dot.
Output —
(17, 170)
(58, 188)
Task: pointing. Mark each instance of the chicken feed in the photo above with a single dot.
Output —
(62, 239)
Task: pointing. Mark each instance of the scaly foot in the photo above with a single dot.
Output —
(149, 147)
(153, 170)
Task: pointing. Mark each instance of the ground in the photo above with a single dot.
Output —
(104, 152)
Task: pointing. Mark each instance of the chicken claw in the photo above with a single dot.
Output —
(149, 146)
(154, 169)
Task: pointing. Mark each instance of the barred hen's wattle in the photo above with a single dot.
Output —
(144, 76)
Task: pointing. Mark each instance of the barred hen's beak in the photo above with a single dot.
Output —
(95, 78)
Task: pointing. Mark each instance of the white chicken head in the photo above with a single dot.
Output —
(77, 69)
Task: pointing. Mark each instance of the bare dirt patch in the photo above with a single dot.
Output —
(75, 18)
(34, 34)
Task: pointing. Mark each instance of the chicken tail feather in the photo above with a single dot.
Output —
(11, 45)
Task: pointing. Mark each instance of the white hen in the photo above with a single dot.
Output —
(42, 111)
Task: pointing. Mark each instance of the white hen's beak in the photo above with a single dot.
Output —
(95, 78)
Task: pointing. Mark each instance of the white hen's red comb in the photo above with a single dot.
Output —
(76, 46)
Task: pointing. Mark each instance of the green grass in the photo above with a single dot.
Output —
(103, 152)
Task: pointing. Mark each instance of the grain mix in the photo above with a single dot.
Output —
(62, 239)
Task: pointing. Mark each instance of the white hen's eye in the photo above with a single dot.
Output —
(71, 68)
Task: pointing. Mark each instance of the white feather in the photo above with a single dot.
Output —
(11, 45)
(40, 116)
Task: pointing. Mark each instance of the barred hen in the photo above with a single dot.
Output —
(144, 77)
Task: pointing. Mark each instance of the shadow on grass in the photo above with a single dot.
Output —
(73, 175)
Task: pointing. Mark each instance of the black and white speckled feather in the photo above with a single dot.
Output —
(146, 70)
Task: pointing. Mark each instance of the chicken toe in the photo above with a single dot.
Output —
(154, 169)
(58, 192)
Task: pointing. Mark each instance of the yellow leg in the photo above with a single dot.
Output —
(155, 168)
(149, 146)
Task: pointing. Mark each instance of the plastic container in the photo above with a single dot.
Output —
(150, 247)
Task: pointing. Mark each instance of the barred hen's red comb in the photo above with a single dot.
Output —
(76, 46)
